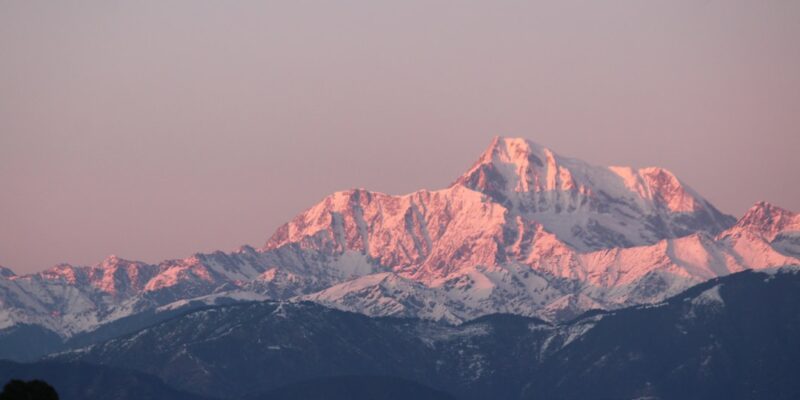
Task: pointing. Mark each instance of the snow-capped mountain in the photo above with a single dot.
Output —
(523, 231)
(768, 226)
(586, 206)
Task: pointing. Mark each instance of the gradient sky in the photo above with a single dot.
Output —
(153, 130)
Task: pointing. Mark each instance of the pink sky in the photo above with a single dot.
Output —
(153, 130)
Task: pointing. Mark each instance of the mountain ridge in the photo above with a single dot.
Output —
(523, 231)
(691, 338)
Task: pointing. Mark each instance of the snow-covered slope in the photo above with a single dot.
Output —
(768, 226)
(523, 231)
(681, 348)
(71, 299)
(591, 207)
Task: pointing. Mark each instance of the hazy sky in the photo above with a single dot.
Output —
(153, 130)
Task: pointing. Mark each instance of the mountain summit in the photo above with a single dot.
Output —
(587, 206)
(768, 220)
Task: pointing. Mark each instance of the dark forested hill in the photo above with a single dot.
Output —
(732, 337)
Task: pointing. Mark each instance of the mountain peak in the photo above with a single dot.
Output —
(513, 166)
(589, 206)
(768, 220)
(518, 165)
(669, 190)
(114, 261)
(514, 150)
(765, 206)
(110, 260)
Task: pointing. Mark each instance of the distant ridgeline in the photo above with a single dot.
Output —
(729, 338)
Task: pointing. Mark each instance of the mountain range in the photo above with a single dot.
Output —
(728, 338)
(524, 231)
